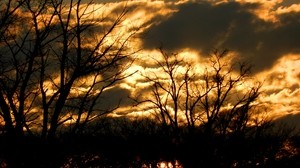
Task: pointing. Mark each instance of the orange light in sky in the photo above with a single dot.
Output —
(281, 82)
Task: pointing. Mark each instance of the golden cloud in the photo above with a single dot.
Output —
(281, 91)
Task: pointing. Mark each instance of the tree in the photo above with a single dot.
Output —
(8, 12)
(226, 108)
(58, 59)
(217, 98)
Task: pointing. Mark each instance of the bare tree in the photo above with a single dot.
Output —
(226, 108)
(8, 16)
(210, 99)
(59, 63)
(166, 89)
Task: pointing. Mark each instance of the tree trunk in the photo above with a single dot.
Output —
(9, 128)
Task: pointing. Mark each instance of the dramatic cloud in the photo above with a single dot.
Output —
(232, 25)
(281, 89)
(263, 32)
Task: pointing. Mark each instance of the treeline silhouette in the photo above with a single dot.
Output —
(123, 142)
(57, 62)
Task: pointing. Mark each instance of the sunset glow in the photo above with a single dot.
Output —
(280, 74)
(280, 81)
(150, 83)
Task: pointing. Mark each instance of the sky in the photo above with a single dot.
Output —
(264, 33)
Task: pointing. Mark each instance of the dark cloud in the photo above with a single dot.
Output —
(289, 123)
(113, 98)
(279, 40)
(289, 2)
(203, 27)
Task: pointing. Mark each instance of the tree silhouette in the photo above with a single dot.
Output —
(212, 108)
(208, 98)
(57, 59)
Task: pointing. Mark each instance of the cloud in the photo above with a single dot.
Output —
(289, 123)
(263, 32)
(289, 2)
(114, 97)
(232, 25)
(281, 89)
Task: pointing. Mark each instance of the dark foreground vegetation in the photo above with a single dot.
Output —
(119, 142)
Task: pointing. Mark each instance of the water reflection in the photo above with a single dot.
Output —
(95, 160)
(164, 164)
